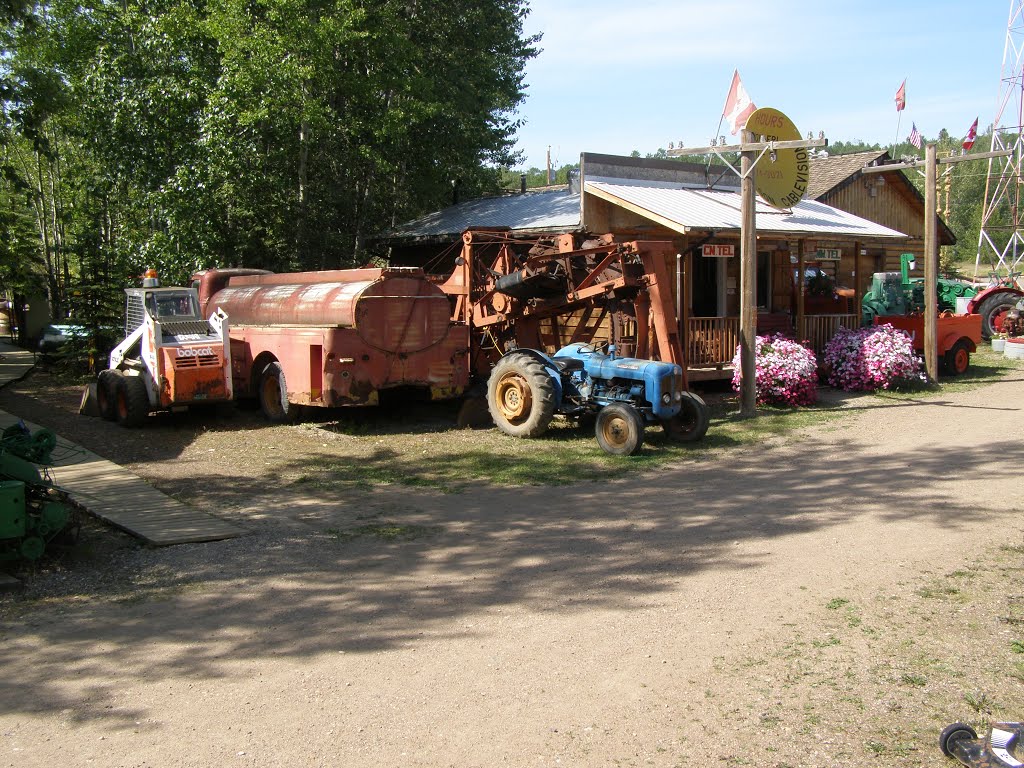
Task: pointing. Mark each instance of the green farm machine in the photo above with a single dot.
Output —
(33, 511)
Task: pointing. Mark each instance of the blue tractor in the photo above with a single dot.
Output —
(527, 388)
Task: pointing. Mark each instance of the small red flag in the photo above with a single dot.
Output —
(972, 134)
(738, 106)
(901, 97)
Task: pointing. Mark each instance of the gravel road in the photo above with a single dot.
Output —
(830, 599)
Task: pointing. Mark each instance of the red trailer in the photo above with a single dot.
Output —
(337, 337)
(957, 336)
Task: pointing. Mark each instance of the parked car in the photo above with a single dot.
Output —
(55, 336)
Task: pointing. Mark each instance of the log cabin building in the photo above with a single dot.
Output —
(814, 261)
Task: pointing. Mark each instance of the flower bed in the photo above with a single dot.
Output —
(786, 372)
(866, 359)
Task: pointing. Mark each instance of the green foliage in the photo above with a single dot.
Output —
(273, 133)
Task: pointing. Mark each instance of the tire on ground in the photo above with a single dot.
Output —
(620, 429)
(132, 401)
(521, 396)
(273, 392)
(957, 359)
(106, 393)
(691, 423)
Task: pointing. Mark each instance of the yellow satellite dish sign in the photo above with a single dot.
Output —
(781, 183)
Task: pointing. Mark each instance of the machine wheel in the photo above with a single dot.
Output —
(691, 423)
(106, 393)
(954, 733)
(957, 359)
(520, 396)
(132, 401)
(273, 391)
(992, 310)
(620, 429)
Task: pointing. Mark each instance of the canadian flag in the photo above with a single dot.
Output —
(901, 97)
(738, 106)
(972, 134)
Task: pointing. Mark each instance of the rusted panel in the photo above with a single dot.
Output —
(192, 374)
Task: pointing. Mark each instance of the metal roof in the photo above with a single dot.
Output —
(555, 210)
(684, 209)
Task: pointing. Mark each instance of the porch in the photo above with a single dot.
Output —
(711, 341)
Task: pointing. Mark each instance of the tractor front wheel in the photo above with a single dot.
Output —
(106, 393)
(957, 359)
(521, 396)
(620, 429)
(691, 423)
(132, 401)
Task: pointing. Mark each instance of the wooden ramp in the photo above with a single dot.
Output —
(128, 502)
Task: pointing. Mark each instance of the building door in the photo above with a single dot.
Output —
(704, 286)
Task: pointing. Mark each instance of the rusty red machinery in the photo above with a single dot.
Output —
(338, 337)
(341, 337)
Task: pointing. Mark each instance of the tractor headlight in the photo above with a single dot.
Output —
(666, 398)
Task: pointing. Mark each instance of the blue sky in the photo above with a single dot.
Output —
(619, 76)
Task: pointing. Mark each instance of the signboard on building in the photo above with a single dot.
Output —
(717, 251)
(828, 254)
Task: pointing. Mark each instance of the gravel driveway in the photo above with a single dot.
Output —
(830, 599)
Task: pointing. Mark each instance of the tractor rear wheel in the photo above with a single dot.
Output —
(521, 396)
(132, 401)
(106, 393)
(691, 423)
(273, 392)
(957, 359)
(620, 429)
(992, 310)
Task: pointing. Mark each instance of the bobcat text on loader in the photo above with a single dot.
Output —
(171, 357)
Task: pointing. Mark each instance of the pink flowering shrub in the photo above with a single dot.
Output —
(878, 357)
(786, 372)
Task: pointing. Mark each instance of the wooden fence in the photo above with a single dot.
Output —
(712, 341)
(818, 329)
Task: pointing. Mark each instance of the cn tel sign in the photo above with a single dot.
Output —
(715, 251)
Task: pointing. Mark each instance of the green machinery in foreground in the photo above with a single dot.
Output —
(32, 510)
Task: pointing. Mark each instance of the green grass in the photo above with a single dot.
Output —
(384, 531)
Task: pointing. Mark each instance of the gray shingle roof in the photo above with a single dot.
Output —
(827, 173)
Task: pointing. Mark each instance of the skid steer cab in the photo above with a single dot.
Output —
(527, 388)
(171, 357)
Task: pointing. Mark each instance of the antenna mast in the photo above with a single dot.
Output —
(1002, 244)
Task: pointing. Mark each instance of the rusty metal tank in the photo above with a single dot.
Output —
(396, 309)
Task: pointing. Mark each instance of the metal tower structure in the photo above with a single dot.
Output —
(1001, 239)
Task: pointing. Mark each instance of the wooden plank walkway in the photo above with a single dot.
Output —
(126, 501)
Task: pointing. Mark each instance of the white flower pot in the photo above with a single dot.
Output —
(1014, 348)
(998, 345)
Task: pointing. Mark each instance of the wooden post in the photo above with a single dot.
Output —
(801, 265)
(931, 266)
(748, 283)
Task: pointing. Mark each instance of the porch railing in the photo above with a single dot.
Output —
(712, 341)
(818, 329)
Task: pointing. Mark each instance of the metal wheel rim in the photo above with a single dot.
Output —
(514, 398)
(272, 393)
(615, 431)
(961, 360)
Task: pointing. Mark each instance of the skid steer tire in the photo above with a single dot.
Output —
(521, 396)
(620, 429)
(691, 423)
(106, 393)
(132, 401)
(273, 392)
(992, 310)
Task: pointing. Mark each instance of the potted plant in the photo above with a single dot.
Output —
(998, 342)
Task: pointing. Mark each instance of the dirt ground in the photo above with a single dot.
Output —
(833, 598)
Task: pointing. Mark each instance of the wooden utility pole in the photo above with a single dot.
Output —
(748, 282)
(931, 266)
